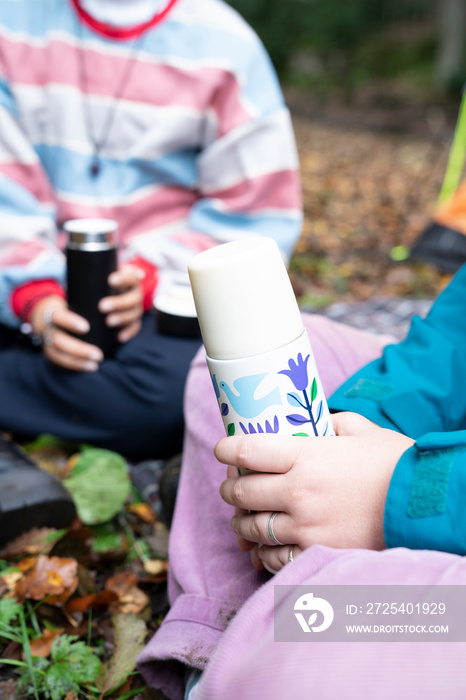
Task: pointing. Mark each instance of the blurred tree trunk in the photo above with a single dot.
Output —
(451, 41)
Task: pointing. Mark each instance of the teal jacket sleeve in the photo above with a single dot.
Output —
(417, 386)
(425, 506)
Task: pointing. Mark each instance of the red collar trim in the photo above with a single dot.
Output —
(120, 32)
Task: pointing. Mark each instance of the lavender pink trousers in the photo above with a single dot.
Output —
(221, 616)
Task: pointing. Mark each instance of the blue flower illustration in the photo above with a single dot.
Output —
(250, 429)
(297, 372)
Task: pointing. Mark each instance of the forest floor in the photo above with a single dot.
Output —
(372, 168)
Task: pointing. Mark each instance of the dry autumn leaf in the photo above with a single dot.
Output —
(143, 512)
(156, 567)
(27, 563)
(10, 580)
(39, 540)
(129, 636)
(54, 578)
(93, 600)
(52, 459)
(130, 598)
(43, 645)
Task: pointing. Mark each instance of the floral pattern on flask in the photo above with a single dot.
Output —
(297, 372)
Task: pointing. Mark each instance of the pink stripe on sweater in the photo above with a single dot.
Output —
(22, 253)
(162, 207)
(151, 83)
(194, 241)
(32, 177)
(280, 190)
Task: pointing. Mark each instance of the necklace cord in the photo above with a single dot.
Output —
(99, 142)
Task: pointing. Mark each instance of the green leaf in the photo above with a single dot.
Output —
(300, 435)
(99, 485)
(71, 664)
(9, 611)
(27, 653)
(313, 389)
(31, 681)
(105, 538)
(130, 634)
(231, 429)
(44, 440)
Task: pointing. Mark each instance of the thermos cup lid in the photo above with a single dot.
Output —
(244, 299)
(91, 234)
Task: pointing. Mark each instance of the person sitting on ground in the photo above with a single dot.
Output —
(166, 116)
(380, 503)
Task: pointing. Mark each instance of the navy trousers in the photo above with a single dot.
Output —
(133, 404)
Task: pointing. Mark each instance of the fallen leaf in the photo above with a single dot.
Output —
(130, 598)
(54, 578)
(8, 690)
(11, 651)
(99, 485)
(129, 635)
(70, 696)
(125, 688)
(11, 579)
(105, 540)
(93, 600)
(51, 459)
(155, 566)
(73, 460)
(27, 563)
(39, 540)
(43, 645)
(157, 539)
(143, 512)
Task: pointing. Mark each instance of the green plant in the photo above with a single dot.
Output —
(72, 665)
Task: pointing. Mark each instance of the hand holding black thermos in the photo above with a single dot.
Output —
(105, 305)
(91, 256)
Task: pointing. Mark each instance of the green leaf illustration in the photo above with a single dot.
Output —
(313, 389)
(231, 429)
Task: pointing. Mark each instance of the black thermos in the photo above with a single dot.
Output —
(91, 256)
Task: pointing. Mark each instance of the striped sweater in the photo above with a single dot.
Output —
(197, 149)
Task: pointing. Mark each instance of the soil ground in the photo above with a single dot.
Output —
(372, 168)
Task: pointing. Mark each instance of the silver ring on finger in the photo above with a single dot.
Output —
(270, 531)
(47, 315)
(290, 553)
(47, 335)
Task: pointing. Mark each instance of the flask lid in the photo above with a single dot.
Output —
(91, 234)
(244, 299)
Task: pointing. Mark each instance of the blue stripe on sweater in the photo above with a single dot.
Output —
(6, 98)
(284, 229)
(116, 177)
(16, 200)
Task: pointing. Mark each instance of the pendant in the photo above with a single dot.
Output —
(95, 166)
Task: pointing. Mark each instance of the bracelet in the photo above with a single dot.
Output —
(29, 305)
(27, 329)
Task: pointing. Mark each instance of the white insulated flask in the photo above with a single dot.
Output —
(258, 352)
